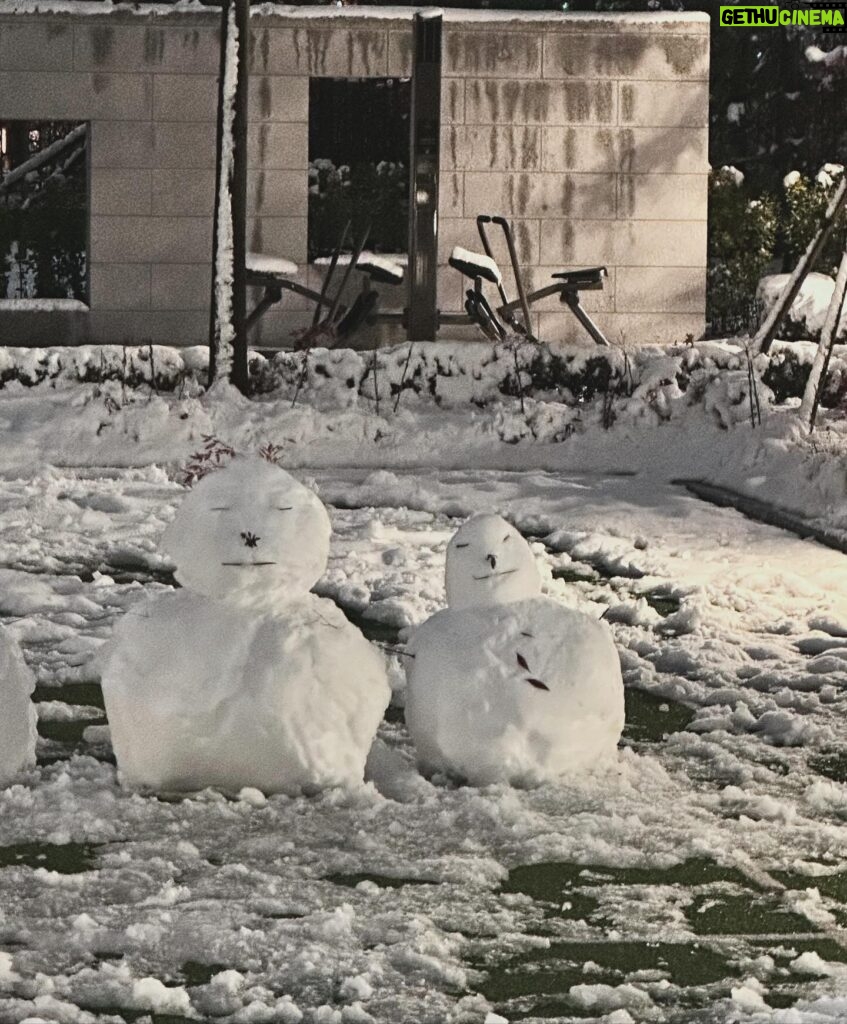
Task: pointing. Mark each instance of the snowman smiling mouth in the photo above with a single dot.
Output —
(248, 565)
(491, 575)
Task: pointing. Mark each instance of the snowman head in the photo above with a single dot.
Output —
(249, 534)
(489, 562)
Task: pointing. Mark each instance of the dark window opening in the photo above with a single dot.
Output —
(43, 210)
(359, 162)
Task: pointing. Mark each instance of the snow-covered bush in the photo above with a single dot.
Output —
(742, 237)
(805, 200)
(376, 193)
(808, 311)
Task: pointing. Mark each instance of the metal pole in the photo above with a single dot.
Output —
(422, 313)
(213, 311)
(239, 199)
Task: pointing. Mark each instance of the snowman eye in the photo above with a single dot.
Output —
(507, 537)
(287, 508)
(463, 545)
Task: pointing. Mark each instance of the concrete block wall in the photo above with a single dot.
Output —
(589, 132)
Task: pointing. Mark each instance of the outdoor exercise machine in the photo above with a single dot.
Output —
(498, 323)
(332, 320)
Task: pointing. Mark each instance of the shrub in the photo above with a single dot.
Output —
(805, 200)
(375, 193)
(742, 238)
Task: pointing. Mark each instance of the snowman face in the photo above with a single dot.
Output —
(249, 534)
(488, 562)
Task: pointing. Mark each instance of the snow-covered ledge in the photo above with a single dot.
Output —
(42, 306)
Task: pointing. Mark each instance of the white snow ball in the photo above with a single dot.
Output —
(356, 987)
(19, 718)
(151, 994)
(203, 693)
(791, 179)
(249, 534)
(734, 174)
(811, 963)
(748, 996)
(609, 997)
(488, 563)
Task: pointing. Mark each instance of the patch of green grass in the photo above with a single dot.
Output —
(394, 714)
(195, 973)
(383, 881)
(834, 886)
(553, 882)
(377, 632)
(662, 602)
(553, 970)
(568, 574)
(646, 722)
(88, 694)
(131, 1016)
(743, 913)
(67, 732)
(832, 765)
(65, 858)
(826, 948)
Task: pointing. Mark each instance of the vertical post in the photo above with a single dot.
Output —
(228, 315)
(422, 312)
(767, 332)
(829, 336)
(214, 334)
(239, 375)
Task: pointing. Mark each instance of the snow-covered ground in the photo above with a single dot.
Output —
(702, 880)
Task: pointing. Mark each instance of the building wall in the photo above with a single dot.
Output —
(589, 132)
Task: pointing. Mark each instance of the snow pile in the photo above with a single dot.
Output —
(17, 714)
(244, 678)
(505, 684)
(475, 264)
(42, 306)
(262, 264)
(808, 310)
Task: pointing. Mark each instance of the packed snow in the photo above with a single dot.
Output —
(700, 881)
(808, 311)
(18, 718)
(506, 685)
(243, 679)
(475, 264)
(261, 263)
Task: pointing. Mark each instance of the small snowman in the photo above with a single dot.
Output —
(18, 718)
(244, 678)
(507, 685)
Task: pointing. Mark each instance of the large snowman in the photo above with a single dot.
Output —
(17, 712)
(507, 685)
(243, 677)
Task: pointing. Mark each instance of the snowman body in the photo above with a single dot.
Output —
(244, 678)
(18, 718)
(507, 685)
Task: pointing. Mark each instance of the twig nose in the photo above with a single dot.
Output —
(250, 539)
(492, 561)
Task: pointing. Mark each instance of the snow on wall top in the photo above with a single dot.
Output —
(635, 19)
